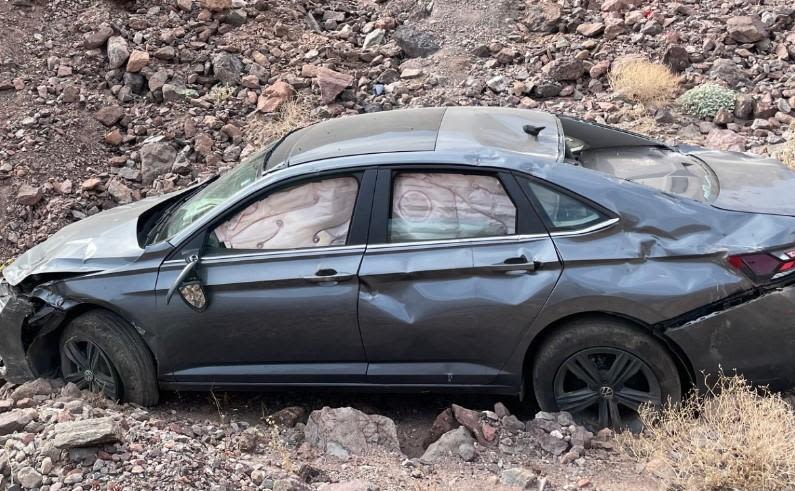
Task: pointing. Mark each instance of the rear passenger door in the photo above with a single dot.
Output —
(456, 268)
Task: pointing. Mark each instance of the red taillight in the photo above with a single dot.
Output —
(765, 266)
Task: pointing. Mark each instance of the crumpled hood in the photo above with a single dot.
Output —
(104, 241)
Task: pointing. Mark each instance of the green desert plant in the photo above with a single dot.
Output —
(706, 100)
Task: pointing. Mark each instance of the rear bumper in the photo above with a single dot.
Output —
(14, 310)
(755, 338)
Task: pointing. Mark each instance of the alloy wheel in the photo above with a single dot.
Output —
(89, 368)
(605, 387)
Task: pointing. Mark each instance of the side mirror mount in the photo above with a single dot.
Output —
(191, 262)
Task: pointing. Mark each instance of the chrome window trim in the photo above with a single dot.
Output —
(593, 228)
(500, 239)
(305, 251)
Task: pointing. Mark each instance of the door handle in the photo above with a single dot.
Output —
(515, 264)
(329, 275)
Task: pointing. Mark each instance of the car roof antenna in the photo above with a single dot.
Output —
(533, 130)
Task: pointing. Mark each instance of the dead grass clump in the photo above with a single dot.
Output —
(737, 437)
(787, 152)
(650, 84)
(263, 128)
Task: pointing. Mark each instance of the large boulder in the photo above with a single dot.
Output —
(344, 431)
(416, 44)
(746, 29)
(156, 160)
(86, 433)
(456, 443)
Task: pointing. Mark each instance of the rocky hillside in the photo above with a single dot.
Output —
(103, 103)
(56, 438)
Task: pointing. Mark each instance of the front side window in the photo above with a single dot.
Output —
(441, 206)
(314, 214)
(562, 211)
(214, 194)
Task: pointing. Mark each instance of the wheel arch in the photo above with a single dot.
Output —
(43, 352)
(685, 368)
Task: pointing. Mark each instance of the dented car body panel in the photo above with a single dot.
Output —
(450, 315)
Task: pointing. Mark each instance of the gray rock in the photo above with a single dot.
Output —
(543, 16)
(744, 107)
(498, 84)
(746, 29)
(355, 485)
(16, 420)
(156, 159)
(677, 58)
(29, 478)
(38, 387)
(565, 68)
(86, 433)
(552, 444)
(729, 72)
(118, 51)
(375, 38)
(519, 478)
(96, 39)
(227, 68)
(109, 115)
(451, 444)
(547, 88)
(416, 43)
(345, 431)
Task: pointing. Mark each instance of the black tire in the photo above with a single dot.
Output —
(121, 349)
(563, 372)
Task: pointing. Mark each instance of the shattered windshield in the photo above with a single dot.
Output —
(185, 214)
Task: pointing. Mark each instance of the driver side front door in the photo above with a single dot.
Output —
(280, 276)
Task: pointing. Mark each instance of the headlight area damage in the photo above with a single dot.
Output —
(27, 324)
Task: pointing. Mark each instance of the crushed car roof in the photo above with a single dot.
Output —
(459, 129)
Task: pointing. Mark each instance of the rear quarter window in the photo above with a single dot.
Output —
(563, 212)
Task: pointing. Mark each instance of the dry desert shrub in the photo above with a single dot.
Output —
(735, 437)
(264, 128)
(650, 84)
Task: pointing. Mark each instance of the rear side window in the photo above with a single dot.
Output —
(441, 206)
(563, 212)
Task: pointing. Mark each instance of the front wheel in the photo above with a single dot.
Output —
(602, 371)
(99, 352)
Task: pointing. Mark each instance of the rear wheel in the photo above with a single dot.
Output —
(602, 371)
(99, 352)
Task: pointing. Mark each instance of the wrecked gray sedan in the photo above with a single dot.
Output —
(444, 249)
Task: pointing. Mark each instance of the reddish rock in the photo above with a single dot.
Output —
(29, 195)
(137, 61)
(443, 423)
(110, 115)
(274, 96)
(331, 83)
(114, 137)
(470, 420)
